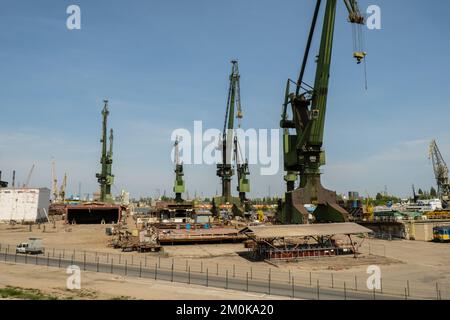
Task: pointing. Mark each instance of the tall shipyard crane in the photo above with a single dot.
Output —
(62, 190)
(440, 172)
(303, 153)
(54, 183)
(106, 178)
(225, 169)
(179, 186)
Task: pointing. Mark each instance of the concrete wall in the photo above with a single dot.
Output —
(24, 204)
(423, 230)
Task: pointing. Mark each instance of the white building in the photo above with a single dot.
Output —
(24, 204)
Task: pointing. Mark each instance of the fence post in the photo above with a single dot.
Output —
(48, 259)
(318, 290)
(171, 277)
(437, 291)
(332, 281)
(289, 276)
(132, 259)
(226, 280)
(407, 286)
(53, 253)
(26, 258)
(234, 270)
(356, 283)
(217, 269)
(207, 277)
(345, 291)
(36, 263)
(189, 275)
(140, 269)
(374, 291)
(310, 279)
(84, 261)
(145, 261)
(251, 273)
(269, 279)
(156, 271)
(159, 262)
(406, 293)
(71, 260)
(64, 253)
(293, 288)
(126, 267)
(201, 266)
(98, 264)
(112, 264)
(15, 258)
(247, 281)
(107, 257)
(120, 258)
(381, 285)
(59, 261)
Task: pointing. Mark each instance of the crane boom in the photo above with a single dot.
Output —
(303, 153)
(27, 184)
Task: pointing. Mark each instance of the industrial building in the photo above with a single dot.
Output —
(24, 205)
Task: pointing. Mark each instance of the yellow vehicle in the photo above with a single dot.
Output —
(441, 234)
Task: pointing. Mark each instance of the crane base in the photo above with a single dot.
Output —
(293, 210)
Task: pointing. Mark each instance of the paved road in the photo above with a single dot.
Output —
(204, 279)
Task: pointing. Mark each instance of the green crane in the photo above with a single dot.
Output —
(242, 172)
(106, 178)
(440, 169)
(225, 169)
(179, 187)
(303, 153)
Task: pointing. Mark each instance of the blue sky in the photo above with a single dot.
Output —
(164, 64)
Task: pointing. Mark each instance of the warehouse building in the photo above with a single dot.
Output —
(24, 204)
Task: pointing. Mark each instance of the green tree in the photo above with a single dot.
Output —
(379, 196)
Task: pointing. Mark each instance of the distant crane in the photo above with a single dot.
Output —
(106, 178)
(27, 184)
(440, 172)
(62, 191)
(229, 148)
(179, 187)
(55, 192)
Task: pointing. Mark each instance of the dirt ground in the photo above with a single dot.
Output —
(420, 265)
(52, 282)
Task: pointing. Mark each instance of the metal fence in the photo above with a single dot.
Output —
(253, 278)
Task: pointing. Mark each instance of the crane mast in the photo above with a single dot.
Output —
(303, 153)
(106, 178)
(179, 186)
(224, 169)
(440, 172)
(242, 172)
